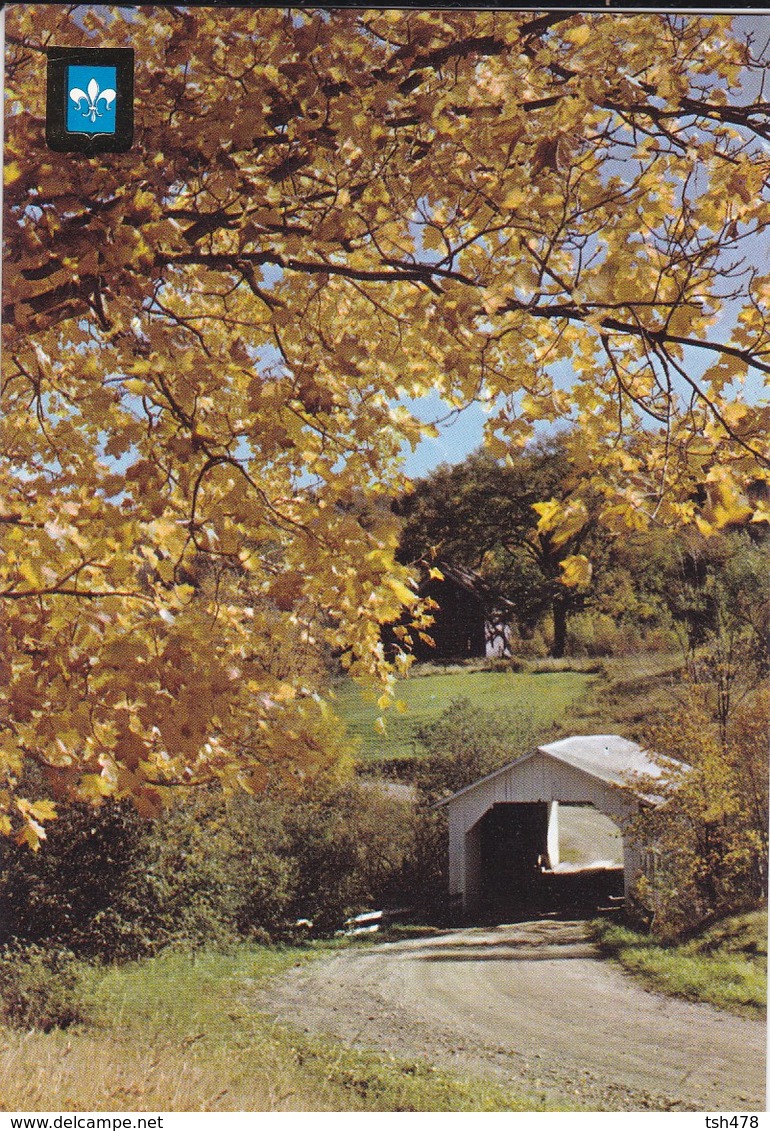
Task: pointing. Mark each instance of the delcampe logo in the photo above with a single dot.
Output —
(89, 101)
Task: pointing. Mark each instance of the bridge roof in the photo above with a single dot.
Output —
(607, 757)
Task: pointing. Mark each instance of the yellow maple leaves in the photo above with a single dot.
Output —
(726, 503)
(205, 367)
(576, 571)
(32, 831)
(560, 519)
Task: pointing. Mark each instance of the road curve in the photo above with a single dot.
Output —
(534, 1005)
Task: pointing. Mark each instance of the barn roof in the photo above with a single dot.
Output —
(608, 757)
(473, 583)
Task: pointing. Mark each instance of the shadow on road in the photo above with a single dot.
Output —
(503, 952)
(535, 940)
(578, 894)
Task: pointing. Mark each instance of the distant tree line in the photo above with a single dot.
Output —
(576, 585)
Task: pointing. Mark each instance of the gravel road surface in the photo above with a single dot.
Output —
(533, 1005)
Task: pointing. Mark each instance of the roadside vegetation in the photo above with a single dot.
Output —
(179, 1033)
(726, 964)
(113, 886)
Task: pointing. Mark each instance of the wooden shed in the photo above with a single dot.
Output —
(503, 829)
(470, 619)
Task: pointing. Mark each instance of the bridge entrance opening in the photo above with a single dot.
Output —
(540, 858)
(513, 843)
(503, 830)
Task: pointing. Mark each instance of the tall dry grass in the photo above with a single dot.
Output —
(84, 1071)
(170, 1034)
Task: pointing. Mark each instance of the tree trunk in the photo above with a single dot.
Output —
(559, 607)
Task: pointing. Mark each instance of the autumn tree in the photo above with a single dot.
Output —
(709, 839)
(208, 341)
(716, 590)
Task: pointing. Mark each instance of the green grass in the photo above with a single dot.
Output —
(375, 1081)
(541, 699)
(631, 691)
(725, 965)
(616, 695)
(182, 1032)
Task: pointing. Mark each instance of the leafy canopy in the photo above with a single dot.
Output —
(491, 517)
(208, 342)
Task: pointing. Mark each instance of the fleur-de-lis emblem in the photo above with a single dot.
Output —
(92, 97)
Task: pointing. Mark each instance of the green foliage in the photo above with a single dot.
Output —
(211, 871)
(597, 633)
(479, 514)
(466, 743)
(535, 645)
(353, 848)
(709, 582)
(77, 892)
(717, 594)
(725, 965)
(39, 987)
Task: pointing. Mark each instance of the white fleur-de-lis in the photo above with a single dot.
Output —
(92, 97)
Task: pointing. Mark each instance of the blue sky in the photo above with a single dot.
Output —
(460, 435)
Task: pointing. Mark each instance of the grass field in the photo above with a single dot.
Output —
(178, 1033)
(627, 694)
(617, 695)
(725, 965)
(534, 702)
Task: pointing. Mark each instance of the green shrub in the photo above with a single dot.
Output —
(399, 768)
(211, 870)
(593, 633)
(39, 987)
(660, 639)
(74, 892)
(467, 742)
(505, 664)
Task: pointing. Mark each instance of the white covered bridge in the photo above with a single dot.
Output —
(504, 829)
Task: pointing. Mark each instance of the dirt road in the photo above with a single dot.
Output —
(533, 1005)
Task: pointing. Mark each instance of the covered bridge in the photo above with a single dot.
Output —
(503, 829)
